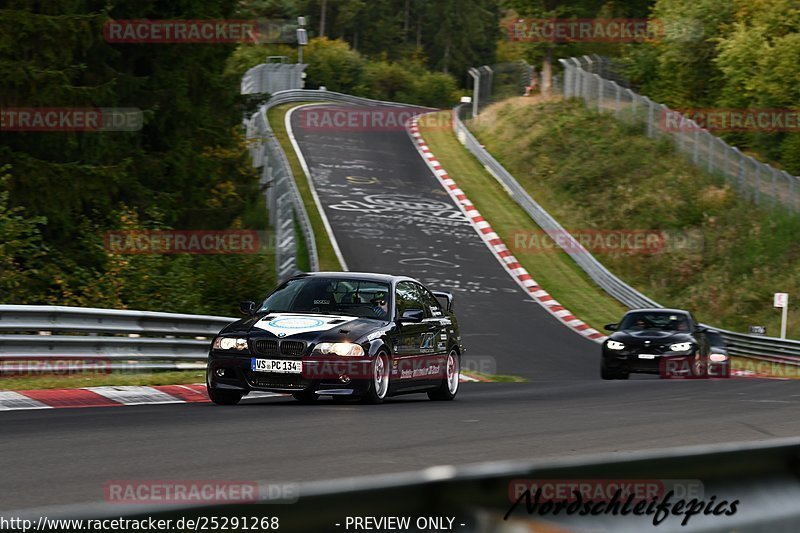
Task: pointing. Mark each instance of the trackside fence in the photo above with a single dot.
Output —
(587, 78)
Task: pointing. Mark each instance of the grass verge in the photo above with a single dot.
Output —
(327, 256)
(553, 270)
(495, 378)
(78, 381)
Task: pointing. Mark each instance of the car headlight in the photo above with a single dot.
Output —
(614, 345)
(230, 343)
(681, 346)
(718, 357)
(344, 349)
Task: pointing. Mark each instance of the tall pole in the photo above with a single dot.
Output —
(323, 11)
(784, 318)
(476, 91)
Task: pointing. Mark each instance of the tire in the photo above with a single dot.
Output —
(449, 387)
(607, 373)
(379, 384)
(306, 397)
(224, 397)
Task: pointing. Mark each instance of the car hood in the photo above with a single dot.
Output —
(310, 328)
(634, 337)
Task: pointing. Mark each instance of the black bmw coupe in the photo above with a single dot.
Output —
(667, 342)
(368, 336)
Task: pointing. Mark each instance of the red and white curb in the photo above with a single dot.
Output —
(496, 244)
(107, 397)
(117, 396)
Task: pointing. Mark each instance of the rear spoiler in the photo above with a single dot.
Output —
(447, 296)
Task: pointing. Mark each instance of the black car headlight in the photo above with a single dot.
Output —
(344, 349)
(718, 357)
(230, 343)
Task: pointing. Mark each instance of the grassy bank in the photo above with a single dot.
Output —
(327, 256)
(725, 256)
(553, 270)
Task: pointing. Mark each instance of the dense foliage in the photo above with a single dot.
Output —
(185, 169)
(743, 54)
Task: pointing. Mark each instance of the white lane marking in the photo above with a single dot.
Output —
(11, 401)
(307, 171)
(135, 395)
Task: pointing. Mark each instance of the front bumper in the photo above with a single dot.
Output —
(667, 365)
(339, 376)
(647, 361)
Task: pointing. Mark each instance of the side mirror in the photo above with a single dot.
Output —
(611, 327)
(411, 316)
(247, 308)
(446, 298)
(701, 329)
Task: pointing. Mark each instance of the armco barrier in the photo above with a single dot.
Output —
(34, 331)
(762, 478)
(738, 343)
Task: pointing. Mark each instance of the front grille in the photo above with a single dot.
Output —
(293, 348)
(277, 381)
(266, 347)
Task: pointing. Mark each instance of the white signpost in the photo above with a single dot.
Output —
(782, 301)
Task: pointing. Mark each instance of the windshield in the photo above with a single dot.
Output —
(366, 299)
(655, 320)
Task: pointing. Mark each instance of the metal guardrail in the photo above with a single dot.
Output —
(272, 77)
(108, 334)
(738, 343)
(282, 198)
(763, 478)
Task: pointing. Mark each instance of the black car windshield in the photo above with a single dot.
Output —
(655, 320)
(330, 296)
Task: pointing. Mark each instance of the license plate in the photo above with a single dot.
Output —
(276, 366)
(646, 356)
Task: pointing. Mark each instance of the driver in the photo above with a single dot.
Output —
(380, 306)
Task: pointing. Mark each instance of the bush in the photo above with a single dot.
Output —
(332, 64)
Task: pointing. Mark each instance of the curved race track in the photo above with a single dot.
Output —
(388, 213)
